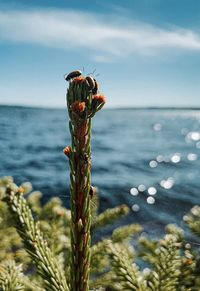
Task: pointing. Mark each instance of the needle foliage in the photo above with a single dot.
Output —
(35, 248)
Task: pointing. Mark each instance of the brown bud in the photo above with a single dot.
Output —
(188, 262)
(78, 107)
(21, 190)
(79, 80)
(67, 151)
(99, 98)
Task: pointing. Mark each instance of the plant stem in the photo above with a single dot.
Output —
(80, 205)
(82, 105)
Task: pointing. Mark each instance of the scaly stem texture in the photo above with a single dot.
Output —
(83, 103)
(80, 205)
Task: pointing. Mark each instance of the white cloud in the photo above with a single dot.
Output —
(104, 37)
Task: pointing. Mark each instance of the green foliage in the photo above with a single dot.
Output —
(166, 268)
(36, 237)
(126, 274)
(11, 277)
(110, 215)
(125, 232)
(34, 242)
(193, 220)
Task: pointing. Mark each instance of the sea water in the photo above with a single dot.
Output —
(148, 159)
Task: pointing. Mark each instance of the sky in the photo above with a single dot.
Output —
(143, 53)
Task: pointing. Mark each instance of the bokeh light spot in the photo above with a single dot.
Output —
(157, 126)
(134, 191)
(176, 158)
(153, 164)
(192, 157)
(135, 207)
(141, 188)
(152, 191)
(150, 200)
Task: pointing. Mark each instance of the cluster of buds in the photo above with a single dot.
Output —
(83, 99)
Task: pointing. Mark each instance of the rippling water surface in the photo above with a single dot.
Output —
(148, 159)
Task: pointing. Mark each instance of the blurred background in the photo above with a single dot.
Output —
(146, 142)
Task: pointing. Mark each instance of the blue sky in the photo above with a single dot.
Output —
(146, 53)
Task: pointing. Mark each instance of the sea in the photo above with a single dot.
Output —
(147, 158)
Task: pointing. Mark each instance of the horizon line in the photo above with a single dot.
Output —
(149, 107)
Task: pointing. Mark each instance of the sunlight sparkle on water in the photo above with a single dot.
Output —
(159, 158)
(192, 136)
(167, 184)
(192, 157)
(150, 200)
(134, 191)
(176, 158)
(166, 159)
(152, 191)
(135, 207)
(153, 164)
(141, 188)
(157, 126)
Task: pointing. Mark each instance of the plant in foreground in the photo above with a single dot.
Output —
(82, 103)
(172, 264)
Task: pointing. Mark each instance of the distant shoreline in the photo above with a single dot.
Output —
(109, 108)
